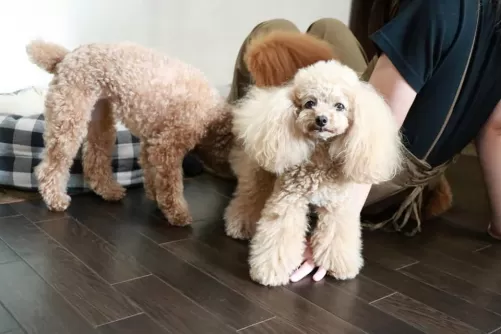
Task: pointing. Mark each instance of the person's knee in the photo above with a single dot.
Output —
(493, 124)
(274, 25)
(327, 24)
(493, 127)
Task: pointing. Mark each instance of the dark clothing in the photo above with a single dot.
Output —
(429, 42)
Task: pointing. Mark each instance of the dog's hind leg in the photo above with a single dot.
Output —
(278, 245)
(148, 171)
(254, 187)
(166, 154)
(67, 112)
(97, 152)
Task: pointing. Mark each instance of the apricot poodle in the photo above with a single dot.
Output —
(272, 59)
(320, 134)
(168, 104)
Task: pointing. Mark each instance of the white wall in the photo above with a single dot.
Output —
(206, 33)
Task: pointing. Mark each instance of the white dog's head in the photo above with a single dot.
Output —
(279, 127)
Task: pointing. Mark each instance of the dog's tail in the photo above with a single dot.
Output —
(273, 59)
(46, 55)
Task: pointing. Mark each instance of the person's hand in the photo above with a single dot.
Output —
(307, 267)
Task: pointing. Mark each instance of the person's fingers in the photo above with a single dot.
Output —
(320, 274)
(306, 268)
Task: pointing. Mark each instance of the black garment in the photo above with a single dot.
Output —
(429, 42)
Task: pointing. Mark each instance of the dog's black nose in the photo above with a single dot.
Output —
(321, 120)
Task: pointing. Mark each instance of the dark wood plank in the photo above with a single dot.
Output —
(7, 322)
(455, 286)
(438, 235)
(6, 210)
(170, 308)
(363, 288)
(350, 308)
(134, 325)
(6, 254)
(470, 314)
(36, 211)
(231, 307)
(136, 212)
(96, 300)
(422, 316)
(485, 279)
(272, 326)
(37, 307)
(204, 203)
(96, 253)
(282, 302)
(385, 256)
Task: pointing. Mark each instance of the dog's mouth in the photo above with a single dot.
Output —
(320, 129)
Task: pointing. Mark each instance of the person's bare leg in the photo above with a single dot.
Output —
(489, 150)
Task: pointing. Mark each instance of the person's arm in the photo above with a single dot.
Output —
(400, 96)
(488, 145)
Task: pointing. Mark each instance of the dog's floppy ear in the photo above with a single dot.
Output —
(372, 147)
(274, 58)
(263, 123)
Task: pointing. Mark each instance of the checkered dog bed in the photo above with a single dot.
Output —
(21, 147)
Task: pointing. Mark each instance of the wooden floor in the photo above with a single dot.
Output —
(117, 268)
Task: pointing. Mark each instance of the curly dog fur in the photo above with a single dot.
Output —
(168, 104)
(320, 135)
(274, 58)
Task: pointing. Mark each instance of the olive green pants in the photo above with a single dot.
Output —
(347, 50)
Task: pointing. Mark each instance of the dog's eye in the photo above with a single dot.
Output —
(310, 104)
(339, 106)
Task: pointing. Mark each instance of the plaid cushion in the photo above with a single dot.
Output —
(21, 148)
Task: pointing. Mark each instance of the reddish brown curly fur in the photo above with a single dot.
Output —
(168, 104)
(439, 199)
(274, 58)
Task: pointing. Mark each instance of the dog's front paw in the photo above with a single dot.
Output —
(341, 265)
(175, 211)
(272, 263)
(58, 202)
(270, 275)
(347, 270)
(180, 218)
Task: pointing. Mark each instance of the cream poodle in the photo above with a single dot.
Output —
(308, 142)
(168, 104)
